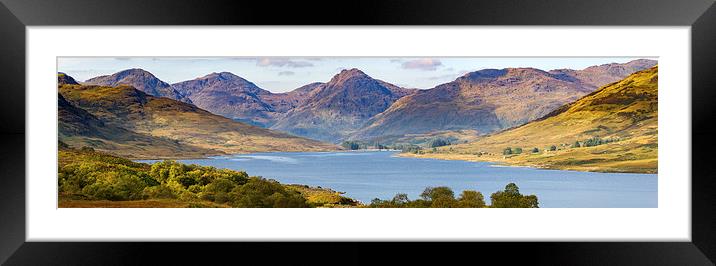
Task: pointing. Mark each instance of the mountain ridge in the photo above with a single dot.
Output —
(488, 100)
(140, 79)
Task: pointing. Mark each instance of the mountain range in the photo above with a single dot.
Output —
(334, 110)
(614, 128)
(492, 99)
(354, 106)
(234, 97)
(125, 120)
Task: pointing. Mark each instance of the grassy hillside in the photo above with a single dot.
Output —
(78, 128)
(130, 109)
(91, 179)
(612, 129)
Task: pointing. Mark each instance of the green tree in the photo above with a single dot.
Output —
(350, 145)
(511, 198)
(218, 190)
(553, 148)
(507, 151)
(576, 144)
(518, 151)
(440, 197)
(471, 199)
(433, 193)
(439, 143)
(400, 199)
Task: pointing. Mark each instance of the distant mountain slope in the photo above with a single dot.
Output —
(625, 112)
(490, 100)
(234, 97)
(283, 102)
(129, 108)
(141, 80)
(336, 109)
(228, 95)
(597, 76)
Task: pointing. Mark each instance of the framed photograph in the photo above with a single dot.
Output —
(419, 122)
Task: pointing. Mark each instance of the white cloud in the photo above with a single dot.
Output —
(426, 64)
(282, 62)
(286, 73)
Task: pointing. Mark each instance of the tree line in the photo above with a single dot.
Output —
(591, 142)
(444, 197)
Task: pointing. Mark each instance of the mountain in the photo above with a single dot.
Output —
(490, 100)
(228, 95)
(597, 76)
(78, 128)
(336, 109)
(141, 80)
(620, 120)
(128, 108)
(63, 78)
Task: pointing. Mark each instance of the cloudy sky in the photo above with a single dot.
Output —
(287, 73)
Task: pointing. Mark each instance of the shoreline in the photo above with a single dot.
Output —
(505, 163)
(205, 156)
(449, 157)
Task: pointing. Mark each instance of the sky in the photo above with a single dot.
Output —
(282, 74)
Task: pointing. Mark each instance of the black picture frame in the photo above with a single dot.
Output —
(15, 15)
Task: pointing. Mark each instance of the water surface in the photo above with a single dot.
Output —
(370, 174)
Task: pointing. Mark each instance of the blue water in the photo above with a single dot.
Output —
(370, 174)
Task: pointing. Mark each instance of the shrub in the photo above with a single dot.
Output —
(262, 193)
(115, 186)
(511, 198)
(218, 190)
(160, 192)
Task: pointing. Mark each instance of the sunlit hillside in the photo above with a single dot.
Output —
(612, 129)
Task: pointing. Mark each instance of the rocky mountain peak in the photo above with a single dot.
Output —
(347, 74)
(483, 74)
(221, 76)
